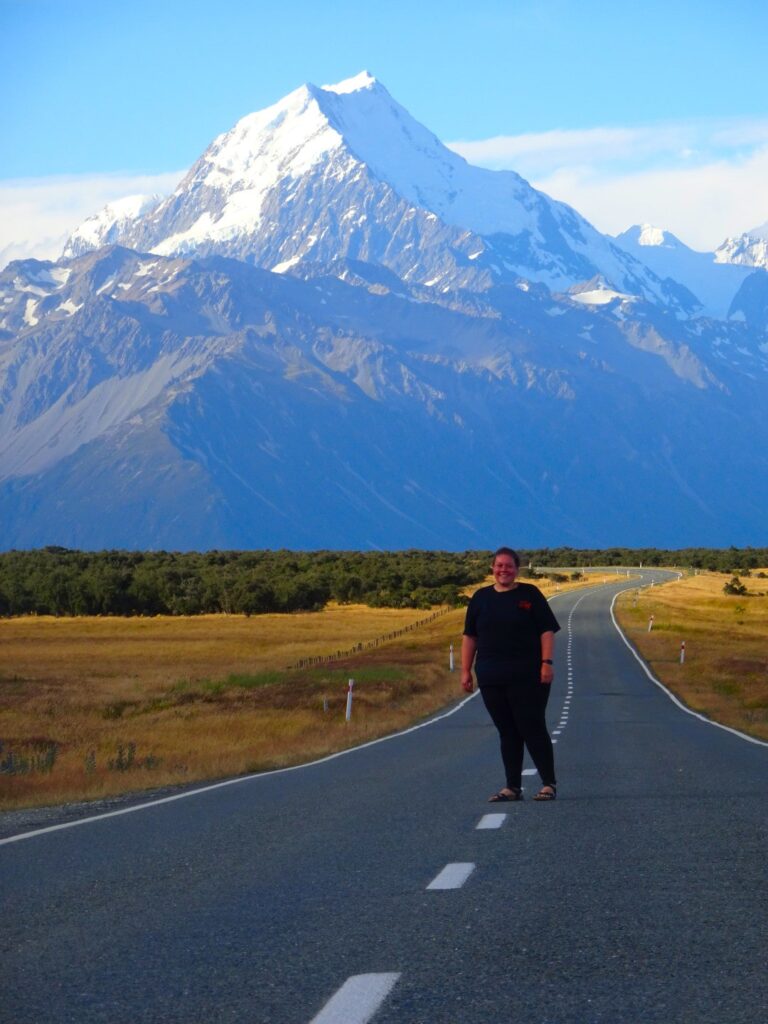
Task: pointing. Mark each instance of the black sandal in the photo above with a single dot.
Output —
(547, 792)
(503, 798)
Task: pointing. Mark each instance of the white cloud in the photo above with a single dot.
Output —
(38, 214)
(701, 205)
(702, 180)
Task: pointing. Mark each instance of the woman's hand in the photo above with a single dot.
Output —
(468, 649)
(547, 654)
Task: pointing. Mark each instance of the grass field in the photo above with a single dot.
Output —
(725, 673)
(93, 707)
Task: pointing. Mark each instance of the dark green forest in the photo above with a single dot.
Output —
(59, 581)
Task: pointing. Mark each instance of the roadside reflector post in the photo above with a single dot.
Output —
(682, 652)
(325, 705)
(650, 624)
(349, 699)
(450, 659)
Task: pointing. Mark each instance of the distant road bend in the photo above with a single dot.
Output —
(380, 885)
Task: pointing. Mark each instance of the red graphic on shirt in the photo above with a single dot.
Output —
(524, 604)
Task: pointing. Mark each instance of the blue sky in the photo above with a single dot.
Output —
(663, 105)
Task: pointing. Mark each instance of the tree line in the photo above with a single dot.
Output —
(60, 581)
(730, 560)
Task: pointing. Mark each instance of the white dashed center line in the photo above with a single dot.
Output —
(569, 689)
(357, 1000)
(491, 821)
(453, 876)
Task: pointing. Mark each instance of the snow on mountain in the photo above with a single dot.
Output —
(748, 250)
(712, 282)
(650, 235)
(345, 171)
(597, 292)
(333, 304)
(177, 402)
(105, 227)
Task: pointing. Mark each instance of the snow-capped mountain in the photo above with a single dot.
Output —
(344, 170)
(714, 283)
(336, 333)
(106, 226)
(749, 249)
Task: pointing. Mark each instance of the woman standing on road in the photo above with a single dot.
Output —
(511, 629)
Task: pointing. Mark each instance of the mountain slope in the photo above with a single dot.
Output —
(336, 333)
(748, 250)
(346, 171)
(106, 226)
(167, 402)
(713, 282)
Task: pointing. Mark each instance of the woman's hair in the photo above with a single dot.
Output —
(510, 553)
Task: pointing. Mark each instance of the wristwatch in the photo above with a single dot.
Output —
(546, 661)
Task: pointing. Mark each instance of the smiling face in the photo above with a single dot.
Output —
(504, 571)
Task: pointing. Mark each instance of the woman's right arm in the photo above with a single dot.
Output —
(468, 649)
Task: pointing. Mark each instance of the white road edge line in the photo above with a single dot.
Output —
(357, 1000)
(672, 697)
(491, 821)
(233, 782)
(241, 778)
(453, 876)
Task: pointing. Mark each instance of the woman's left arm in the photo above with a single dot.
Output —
(547, 653)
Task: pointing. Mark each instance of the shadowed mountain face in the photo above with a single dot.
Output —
(444, 357)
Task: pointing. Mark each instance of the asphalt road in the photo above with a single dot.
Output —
(639, 896)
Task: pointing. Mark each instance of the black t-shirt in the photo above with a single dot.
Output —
(507, 625)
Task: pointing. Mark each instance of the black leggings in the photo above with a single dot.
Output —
(519, 715)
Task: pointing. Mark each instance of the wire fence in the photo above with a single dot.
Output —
(367, 645)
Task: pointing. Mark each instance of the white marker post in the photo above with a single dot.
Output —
(349, 699)
(650, 624)
(450, 659)
(682, 652)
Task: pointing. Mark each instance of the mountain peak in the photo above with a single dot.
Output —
(650, 236)
(363, 80)
(346, 171)
(749, 249)
(104, 227)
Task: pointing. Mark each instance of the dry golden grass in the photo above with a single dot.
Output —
(153, 687)
(130, 704)
(725, 673)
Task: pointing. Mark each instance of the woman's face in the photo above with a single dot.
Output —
(504, 571)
